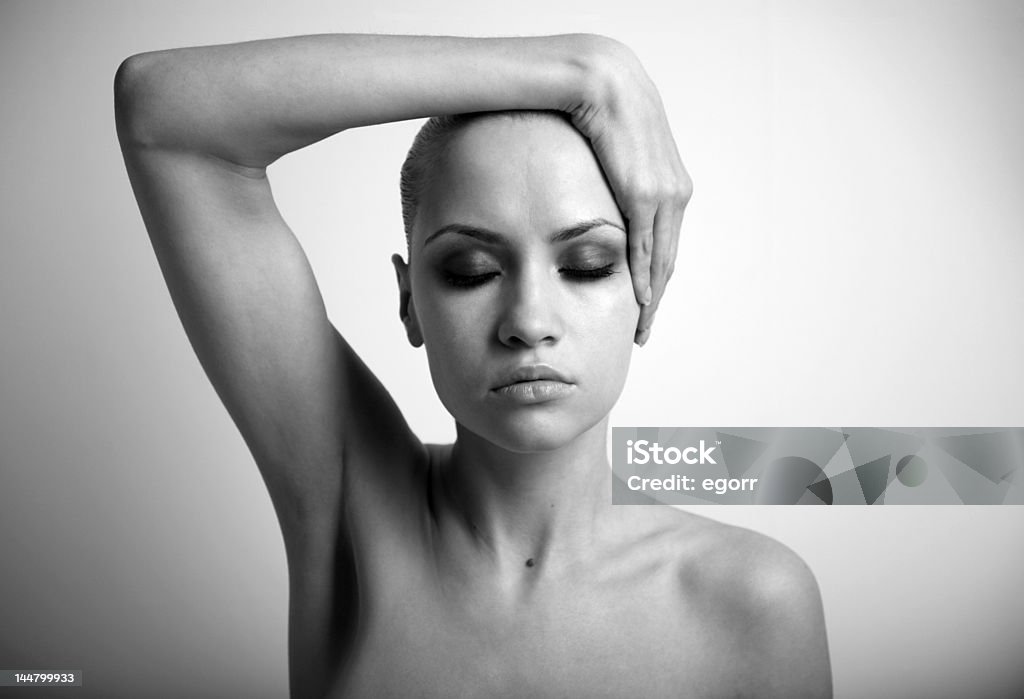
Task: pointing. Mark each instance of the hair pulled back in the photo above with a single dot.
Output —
(430, 144)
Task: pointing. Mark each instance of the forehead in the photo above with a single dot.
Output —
(519, 176)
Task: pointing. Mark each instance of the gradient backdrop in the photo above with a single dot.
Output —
(854, 255)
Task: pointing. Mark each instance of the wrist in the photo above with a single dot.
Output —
(603, 64)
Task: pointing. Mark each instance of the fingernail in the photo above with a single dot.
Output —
(647, 297)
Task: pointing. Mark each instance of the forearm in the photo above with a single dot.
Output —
(253, 102)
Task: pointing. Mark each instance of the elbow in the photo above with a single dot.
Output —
(137, 100)
(128, 86)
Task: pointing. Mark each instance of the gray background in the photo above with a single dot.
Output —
(852, 256)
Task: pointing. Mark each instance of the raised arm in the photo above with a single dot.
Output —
(198, 128)
(251, 103)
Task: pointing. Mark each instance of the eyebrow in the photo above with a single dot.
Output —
(493, 237)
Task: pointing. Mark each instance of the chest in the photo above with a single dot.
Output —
(596, 642)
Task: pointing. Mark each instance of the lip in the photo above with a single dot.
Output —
(534, 383)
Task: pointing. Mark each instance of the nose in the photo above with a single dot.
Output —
(530, 315)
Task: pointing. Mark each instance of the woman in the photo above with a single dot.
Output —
(496, 566)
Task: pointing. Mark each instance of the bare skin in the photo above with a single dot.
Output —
(496, 566)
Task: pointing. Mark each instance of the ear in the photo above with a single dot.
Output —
(406, 308)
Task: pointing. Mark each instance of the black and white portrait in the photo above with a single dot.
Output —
(316, 320)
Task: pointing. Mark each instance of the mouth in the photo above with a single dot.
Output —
(536, 383)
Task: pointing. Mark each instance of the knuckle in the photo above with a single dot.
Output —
(684, 190)
(642, 245)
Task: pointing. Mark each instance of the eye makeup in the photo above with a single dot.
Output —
(467, 267)
(466, 264)
(590, 255)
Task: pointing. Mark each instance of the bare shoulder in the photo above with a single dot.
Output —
(764, 597)
(755, 569)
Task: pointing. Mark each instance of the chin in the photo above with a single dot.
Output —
(532, 430)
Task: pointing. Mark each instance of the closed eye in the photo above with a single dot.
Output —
(580, 274)
(588, 273)
(466, 281)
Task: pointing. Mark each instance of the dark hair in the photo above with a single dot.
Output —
(430, 143)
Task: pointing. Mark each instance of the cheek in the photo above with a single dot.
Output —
(603, 334)
(453, 335)
(609, 314)
(449, 320)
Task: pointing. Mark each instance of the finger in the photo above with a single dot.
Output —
(641, 241)
(666, 237)
(683, 200)
(673, 253)
(662, 257)
(643, 333)
(645, 321)
(677, 224)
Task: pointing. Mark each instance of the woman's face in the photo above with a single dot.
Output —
(519, 284)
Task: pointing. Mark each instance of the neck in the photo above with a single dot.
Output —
(529, 509)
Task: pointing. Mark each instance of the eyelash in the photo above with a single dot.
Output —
(465, 282)
(573, 273)
(589, 272)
